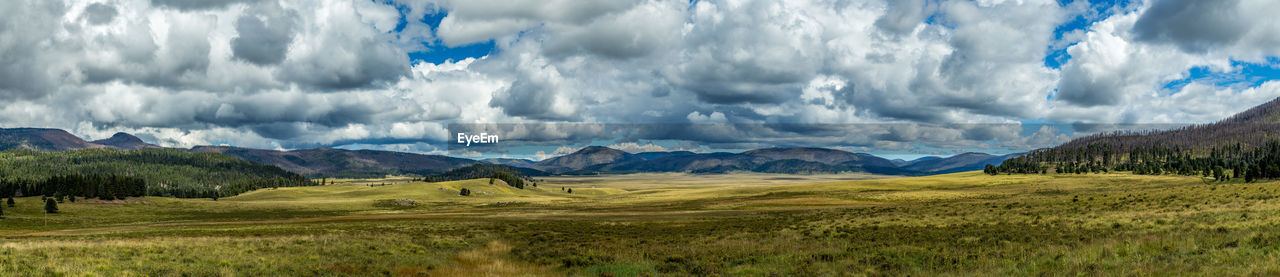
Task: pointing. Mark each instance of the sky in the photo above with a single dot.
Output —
(913, 77)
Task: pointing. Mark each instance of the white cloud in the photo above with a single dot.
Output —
(292, 73)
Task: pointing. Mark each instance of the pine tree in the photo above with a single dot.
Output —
(50, 206)
(1, 212)
(11, 201)
(570, 190)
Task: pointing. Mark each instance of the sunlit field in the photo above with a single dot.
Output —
(669, 224)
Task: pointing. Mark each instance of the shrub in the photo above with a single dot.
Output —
(465, 192)
(50, 206)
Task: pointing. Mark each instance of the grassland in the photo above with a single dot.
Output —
(670, 224)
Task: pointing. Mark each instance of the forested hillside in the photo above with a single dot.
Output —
(1246, 146)
(155, 172)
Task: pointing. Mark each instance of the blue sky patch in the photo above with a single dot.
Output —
(1242, 75)
(437, 52)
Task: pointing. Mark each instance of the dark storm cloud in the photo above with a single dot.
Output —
(189, 5)
(263, 43)
(99, 13)
(904, 15)
(1193, 25)
(529, 98)
(341, 64)
(1081, 87)
(25, 55)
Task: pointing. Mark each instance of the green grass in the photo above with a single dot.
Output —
(671, 224)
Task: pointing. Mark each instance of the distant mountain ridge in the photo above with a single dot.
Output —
(959, 163)
(344, 163)
(325, 162)
(42, 139)
(125, 141)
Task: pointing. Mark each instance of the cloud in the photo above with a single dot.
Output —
(632, 147)
(191, 5)
(264, 42)
(751, 73)
(99, 13)
(1195, 26)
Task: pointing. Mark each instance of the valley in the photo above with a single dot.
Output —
(669, 224)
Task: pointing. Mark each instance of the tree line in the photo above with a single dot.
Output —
(111, 173)
(1222, 163)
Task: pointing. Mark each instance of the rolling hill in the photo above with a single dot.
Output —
(343, 163)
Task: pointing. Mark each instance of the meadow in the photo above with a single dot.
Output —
(743, 224)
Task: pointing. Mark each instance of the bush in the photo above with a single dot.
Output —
(11, 201)
(570, 190)
(50, 206)
(465, 192)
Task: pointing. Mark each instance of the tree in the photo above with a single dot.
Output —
(990, 170)
(11, 201)
(465, 192)
(50, 206)
(1, 212)
(570, 190)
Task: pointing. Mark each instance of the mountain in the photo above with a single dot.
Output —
(125, 141)
(958, 163)
(343, 163)
(821, 155)
(510, 162)
(771, 160)
(794, 166)
(42, 140)
(659, 155)
(904, 163)
(699, 163)
(583, 158)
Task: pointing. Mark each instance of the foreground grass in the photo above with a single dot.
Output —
(959, 224)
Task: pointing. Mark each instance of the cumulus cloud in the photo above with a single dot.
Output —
(264, 42)
(291, 74)
(1195, 26)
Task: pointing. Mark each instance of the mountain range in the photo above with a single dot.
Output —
(589, 160)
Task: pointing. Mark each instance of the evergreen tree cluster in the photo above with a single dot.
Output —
(1221, 163)
(112, 174)
(510, 179)
(513, 176)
